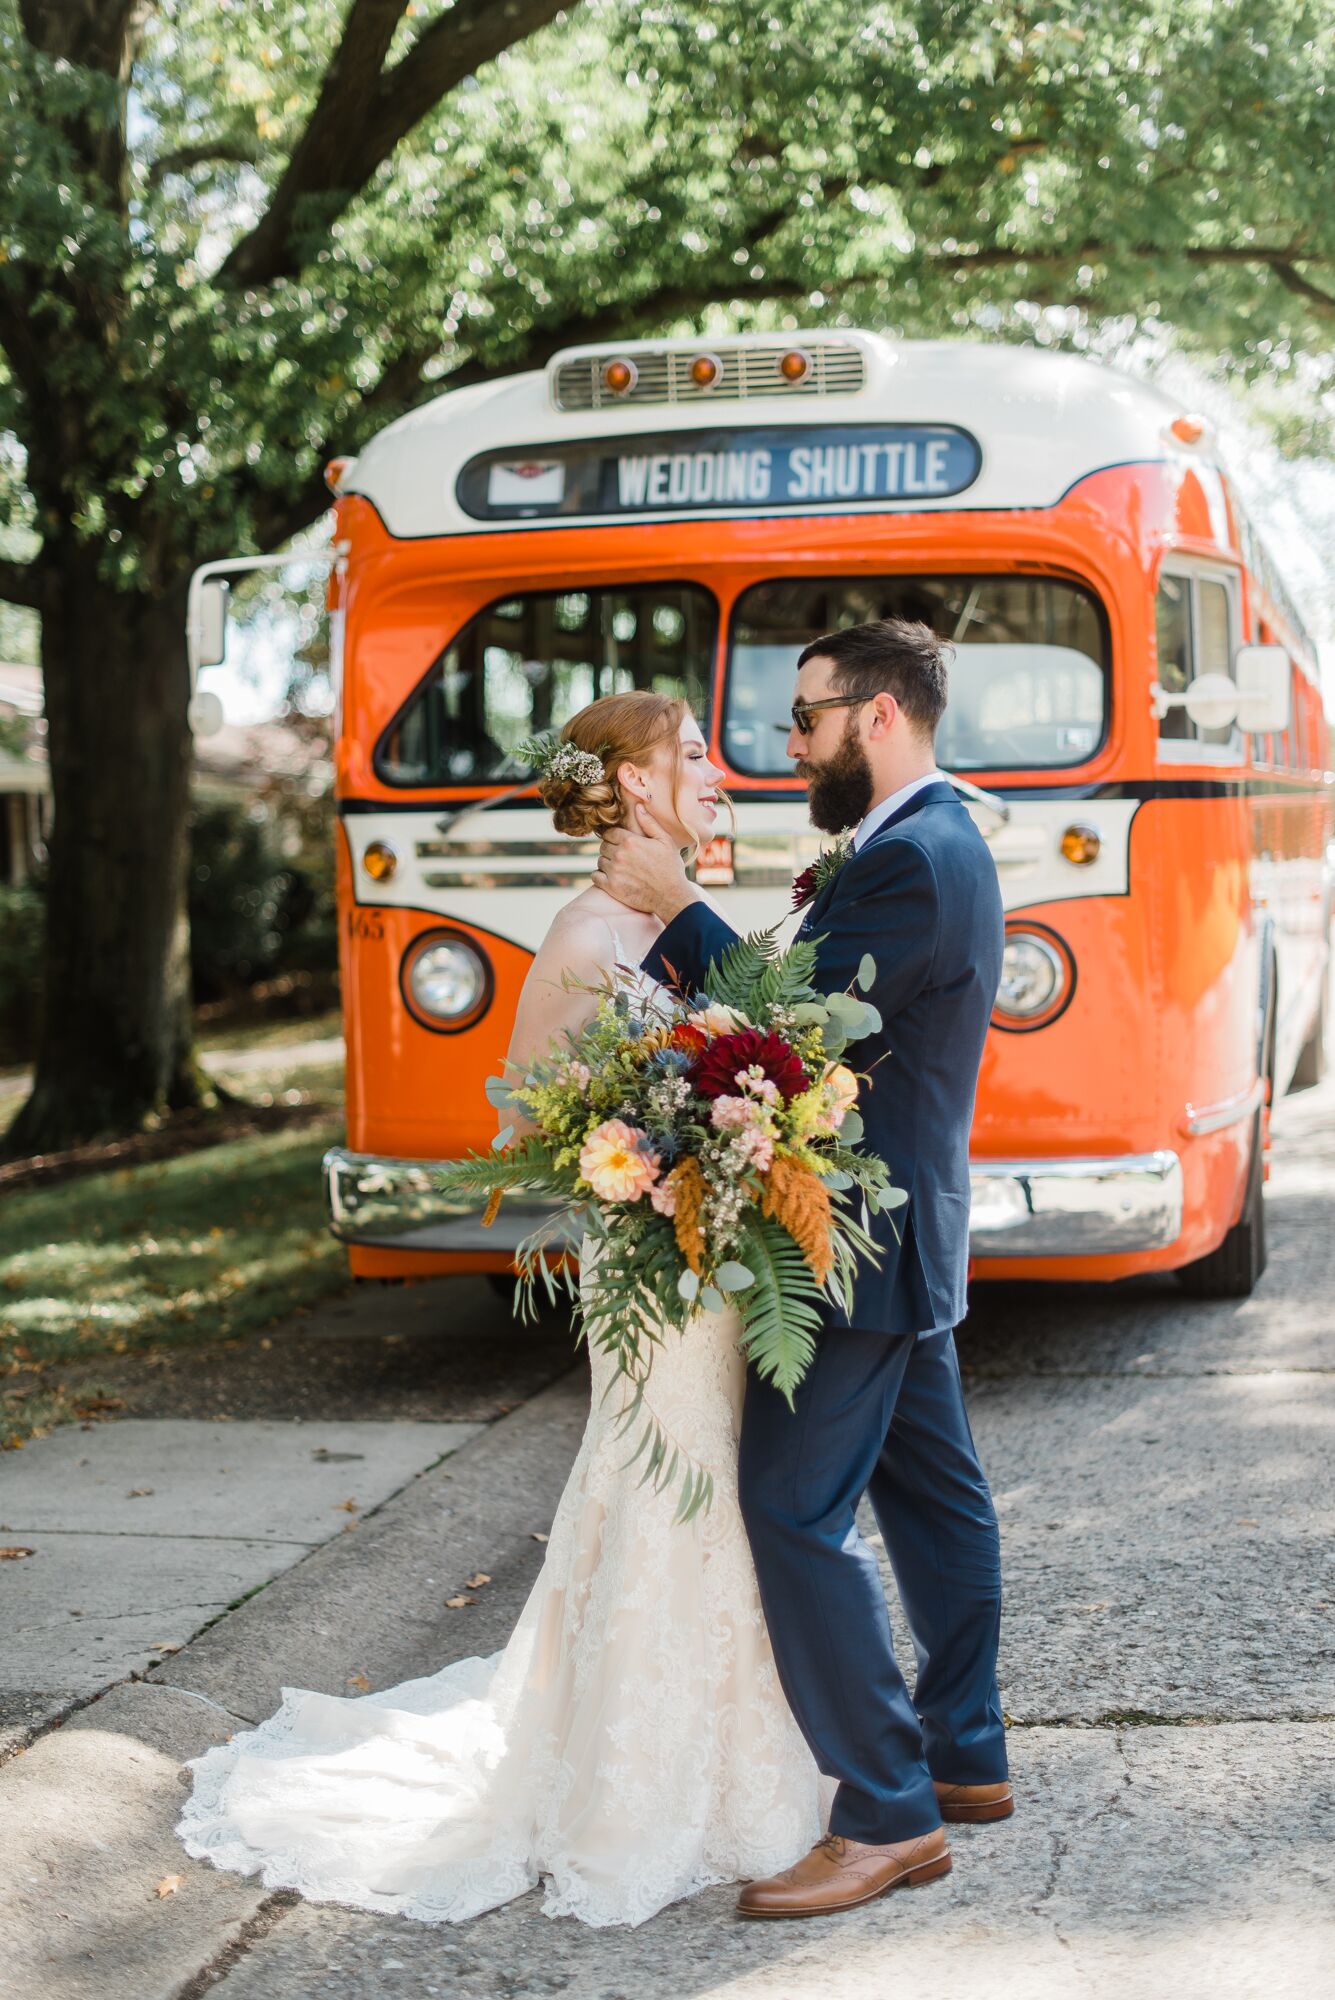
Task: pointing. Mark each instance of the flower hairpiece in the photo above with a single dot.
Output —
(552, 757)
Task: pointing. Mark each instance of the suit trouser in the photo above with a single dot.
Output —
(881, 1414)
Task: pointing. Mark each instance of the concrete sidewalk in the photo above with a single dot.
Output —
(1165, 1480)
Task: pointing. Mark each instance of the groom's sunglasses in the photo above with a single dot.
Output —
(802, 711)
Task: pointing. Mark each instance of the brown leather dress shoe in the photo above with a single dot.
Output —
(840, 1874)
(966, 1804)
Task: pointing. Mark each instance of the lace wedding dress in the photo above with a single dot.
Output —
(631, 1745)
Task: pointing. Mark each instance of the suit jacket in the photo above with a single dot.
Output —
(922, 897)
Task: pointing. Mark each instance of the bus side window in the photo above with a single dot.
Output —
(1172, 627)
(1214, 649)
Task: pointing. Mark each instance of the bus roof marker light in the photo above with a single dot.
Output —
(705, 370)
(1188, 429)
(620, 376)
(334, 471)
(795, 365)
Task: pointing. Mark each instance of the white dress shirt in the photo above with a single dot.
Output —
(881, 813)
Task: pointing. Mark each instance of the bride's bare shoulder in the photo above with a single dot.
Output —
(581, 938)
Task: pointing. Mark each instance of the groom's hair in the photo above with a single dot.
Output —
(895, 656)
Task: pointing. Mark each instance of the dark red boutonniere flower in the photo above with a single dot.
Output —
(714, 1071)
(808, 885)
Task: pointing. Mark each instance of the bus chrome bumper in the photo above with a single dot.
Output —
(1020, 1208)
(1075, 1208)
(396, 1205)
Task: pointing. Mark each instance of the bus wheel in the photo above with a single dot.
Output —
(1311, 1065)
(1233, 1270)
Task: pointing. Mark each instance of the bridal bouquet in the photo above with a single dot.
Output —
(711, 1144)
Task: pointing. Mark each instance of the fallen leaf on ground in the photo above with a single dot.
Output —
(348, 1506)
(1246, 1521)
(476, 1582)
(170, 1884)
(139, 1492)
(359, 1681)
(14, 1553)
(540, 1538)
(164, 1646)
(453, 1603)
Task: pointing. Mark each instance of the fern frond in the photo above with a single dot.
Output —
(781, 1312)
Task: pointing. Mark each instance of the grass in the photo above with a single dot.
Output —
(271, 1034)
(207, 1246)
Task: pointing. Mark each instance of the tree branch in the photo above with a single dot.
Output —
(21, 583)
(1303, 288)
(232, 152)
(363, 111)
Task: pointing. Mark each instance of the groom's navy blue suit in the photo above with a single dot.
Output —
(881, 1410)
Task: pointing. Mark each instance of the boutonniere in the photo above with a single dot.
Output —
(808, 885)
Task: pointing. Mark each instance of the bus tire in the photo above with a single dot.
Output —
(1311, 1065)
(1234, 1269)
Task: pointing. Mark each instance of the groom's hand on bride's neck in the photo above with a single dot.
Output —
(641, 866)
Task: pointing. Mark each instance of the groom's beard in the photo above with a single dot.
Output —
(839, 791)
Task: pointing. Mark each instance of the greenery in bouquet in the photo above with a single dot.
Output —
(712, 1147)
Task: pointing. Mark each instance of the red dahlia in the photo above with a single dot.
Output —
(714, 1072)
(687, 1038)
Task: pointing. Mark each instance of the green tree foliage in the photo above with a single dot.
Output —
(239, 236)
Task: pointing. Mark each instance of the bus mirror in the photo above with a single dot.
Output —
(1262, 674)
(209, 637)
(205, 713)
(1211, 700)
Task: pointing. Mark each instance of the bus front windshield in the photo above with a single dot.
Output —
(528, 662)
(1028, 683)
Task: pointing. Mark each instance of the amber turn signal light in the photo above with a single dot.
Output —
(705, 370)
(380, 860)
(1080, 845)
(795, 366)
(620, 377)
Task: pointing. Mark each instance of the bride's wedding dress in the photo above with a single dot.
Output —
(631, 1745)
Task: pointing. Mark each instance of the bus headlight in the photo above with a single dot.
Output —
(1037, 980)
(446, 981)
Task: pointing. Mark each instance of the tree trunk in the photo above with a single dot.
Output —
(114, 1050)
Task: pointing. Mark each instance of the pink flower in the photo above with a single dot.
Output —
(616, 1161)
(663, 1197)
(734, 1114)
(756, 1148)
(574, 1076)
(756, 1084)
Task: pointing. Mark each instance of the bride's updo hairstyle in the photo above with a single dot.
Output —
(619, 729)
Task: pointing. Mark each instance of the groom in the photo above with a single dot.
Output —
(881, 1410)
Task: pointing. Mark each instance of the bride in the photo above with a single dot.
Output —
(631, 1745)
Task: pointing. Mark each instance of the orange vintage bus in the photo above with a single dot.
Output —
(1134, 720)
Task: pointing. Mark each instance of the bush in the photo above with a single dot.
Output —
(22, 924)
(254, 911)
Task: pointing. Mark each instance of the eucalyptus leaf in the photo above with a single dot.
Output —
(499, 1092)
(894, 1197)
(837, 1181)
(866, 972)
(844, 1006)
(851, 1129)
(810, 1014)
(688, 1285)
(711, 1299)
(734, 1277)
(502, 1139)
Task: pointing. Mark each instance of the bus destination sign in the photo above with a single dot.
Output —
(722, 470)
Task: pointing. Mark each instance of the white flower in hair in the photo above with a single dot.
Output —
(551, 757)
